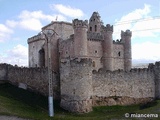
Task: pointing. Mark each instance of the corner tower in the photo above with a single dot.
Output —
(108, 47)
(126, 38)
(80, 37)
(95, 23)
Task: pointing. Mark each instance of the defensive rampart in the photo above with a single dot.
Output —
(82, 87)
(123, 88)
(34, 79)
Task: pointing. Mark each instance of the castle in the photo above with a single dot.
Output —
(88, 67)
(81, 39)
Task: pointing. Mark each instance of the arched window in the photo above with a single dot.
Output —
(90, 28)
(95, 28)
(41, 58)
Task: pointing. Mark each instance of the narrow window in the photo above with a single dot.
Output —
(90, 28)
(95, 51)
(93, 64)
(119, 54)
(74, 91)
(41, 58)
(95, 28)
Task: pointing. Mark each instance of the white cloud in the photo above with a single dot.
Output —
(18, 55)
(11, 23)
(35, 14)
(146, 51)
(4, 32)
(31, 24)
(139, 22)
(32, 20)
(68, 11)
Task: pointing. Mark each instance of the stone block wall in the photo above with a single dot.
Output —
(76, 85)
(81, 88)
(123, 88)
(118, 56)
(156, 68)
(3, 72)
(34, 79)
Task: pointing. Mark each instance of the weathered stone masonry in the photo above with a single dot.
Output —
(123, 88)
(76, 85)
(105, 87)
(35, 79)
(81, 87)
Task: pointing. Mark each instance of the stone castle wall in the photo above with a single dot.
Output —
(118, 56)
(156, 68)
(63, 29)
(123, 88)
(3, 72)
(35, 45)
(81, 88)
(34, 79)
(104, 88)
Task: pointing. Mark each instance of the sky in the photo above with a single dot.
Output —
(22, 19)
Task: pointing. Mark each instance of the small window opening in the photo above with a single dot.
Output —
(90, 28)
(95, 28)
(93, 64)
(96, 51)
(94, 19)
(119, 54)
(66, 52)
(41, 58)
(74, 91)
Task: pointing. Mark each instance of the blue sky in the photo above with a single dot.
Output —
(21, 19)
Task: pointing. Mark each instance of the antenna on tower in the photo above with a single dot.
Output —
(56, 17)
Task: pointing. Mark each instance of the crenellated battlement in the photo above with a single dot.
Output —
(157, 64)
(135, 70)
(36, 38)
(126, 33)
(118, 41)
(79, 23)
(154, 66)
(108, 27)
(22, 68)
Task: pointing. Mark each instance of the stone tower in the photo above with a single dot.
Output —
(95, 23)
(126, 38)
(108, 47)
(80, 37)
(76, 85)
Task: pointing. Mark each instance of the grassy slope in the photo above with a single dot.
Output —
(19, 102)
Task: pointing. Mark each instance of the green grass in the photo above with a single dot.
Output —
(25, 104)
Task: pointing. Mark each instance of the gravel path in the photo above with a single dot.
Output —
(11, 118)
